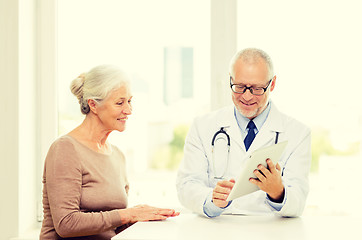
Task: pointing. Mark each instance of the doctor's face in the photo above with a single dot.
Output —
(251, 74)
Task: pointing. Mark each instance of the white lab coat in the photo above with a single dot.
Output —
(195, 179)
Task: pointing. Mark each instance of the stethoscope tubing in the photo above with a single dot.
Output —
(222, 131)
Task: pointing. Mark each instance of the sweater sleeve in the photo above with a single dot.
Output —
(64, 189)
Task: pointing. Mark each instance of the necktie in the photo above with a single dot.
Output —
(251, 135)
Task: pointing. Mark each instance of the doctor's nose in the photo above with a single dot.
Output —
(247, 95)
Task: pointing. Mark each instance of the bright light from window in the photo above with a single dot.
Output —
(315, 46)
(164, 46)
(316, 51)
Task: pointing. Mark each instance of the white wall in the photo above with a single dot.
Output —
(223, 47)
(9, 141)
(27, 109)
(26, 59)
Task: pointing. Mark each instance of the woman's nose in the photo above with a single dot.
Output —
(128, 109)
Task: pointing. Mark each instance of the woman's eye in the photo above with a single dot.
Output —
(119, 103)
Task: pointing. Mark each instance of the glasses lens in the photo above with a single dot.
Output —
(258, 91)
(238, 88)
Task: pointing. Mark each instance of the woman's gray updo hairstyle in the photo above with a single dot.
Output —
(97, 84)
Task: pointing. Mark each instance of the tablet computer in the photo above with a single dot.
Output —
(242, 185)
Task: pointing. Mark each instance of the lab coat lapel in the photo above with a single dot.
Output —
(267, 133)
(228, 119)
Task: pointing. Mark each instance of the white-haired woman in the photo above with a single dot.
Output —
(84, 183)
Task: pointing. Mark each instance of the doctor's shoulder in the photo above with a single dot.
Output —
(296, 127)
(204, 126)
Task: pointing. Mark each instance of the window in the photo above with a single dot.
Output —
(164, 47)
(315, 46)
(316, 49)
(313, 55)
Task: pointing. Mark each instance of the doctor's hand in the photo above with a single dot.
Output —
(269, 180)
(221, 192)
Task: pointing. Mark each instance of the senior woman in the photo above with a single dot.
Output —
(84, 183)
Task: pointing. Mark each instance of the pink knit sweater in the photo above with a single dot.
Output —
(82, 190)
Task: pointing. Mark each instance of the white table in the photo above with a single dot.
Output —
(191, 226)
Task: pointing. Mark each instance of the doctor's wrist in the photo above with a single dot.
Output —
(223, 206)
(227, 204)
(277, 198)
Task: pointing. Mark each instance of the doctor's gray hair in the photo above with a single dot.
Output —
(250, 55)
(97, 84)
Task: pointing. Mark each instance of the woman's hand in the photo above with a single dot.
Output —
(144, 213)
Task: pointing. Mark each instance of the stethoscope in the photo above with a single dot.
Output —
(222, 131)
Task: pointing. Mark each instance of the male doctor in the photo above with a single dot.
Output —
(206, 177)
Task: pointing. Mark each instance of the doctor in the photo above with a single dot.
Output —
(208, 171)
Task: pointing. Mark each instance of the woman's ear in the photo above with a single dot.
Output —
(92, 105)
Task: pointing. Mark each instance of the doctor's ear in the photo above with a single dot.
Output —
(273, 83)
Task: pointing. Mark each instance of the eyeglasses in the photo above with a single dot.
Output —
(240, 88)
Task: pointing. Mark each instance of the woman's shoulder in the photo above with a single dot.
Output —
(63, 157)
(63, 144)
(64, 140)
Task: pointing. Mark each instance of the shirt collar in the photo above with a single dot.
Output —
(259, 120)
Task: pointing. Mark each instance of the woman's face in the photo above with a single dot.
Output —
(113, 111)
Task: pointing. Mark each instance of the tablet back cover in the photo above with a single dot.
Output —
(259, 156)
